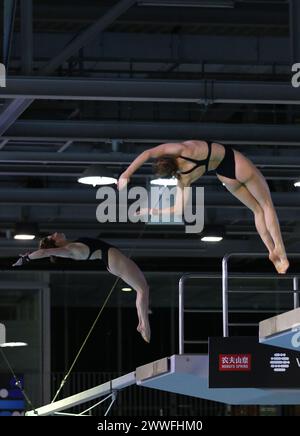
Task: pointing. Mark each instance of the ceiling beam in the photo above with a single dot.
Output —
(154, 248)
(281, 161)
(246, 14)
(286, 200)
(195, 91)
(199, 53)
(97, 131)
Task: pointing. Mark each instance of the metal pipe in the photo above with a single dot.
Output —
(249, 291)
(257, 255)
(296, 293)
(197, 342)
(225, 294)
(243, 324)
(151, 90)
(181, 315)
(232, 311)
(153, 131)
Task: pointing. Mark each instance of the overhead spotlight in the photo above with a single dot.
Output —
(26, 231)
(3, 342)
(297, 184)
(212, 234)
(96, 175)
(164, 182)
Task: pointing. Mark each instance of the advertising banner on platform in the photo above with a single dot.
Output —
(241, 361)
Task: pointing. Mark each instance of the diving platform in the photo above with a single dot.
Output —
(181, 374)
(189, 375)
(282, 330)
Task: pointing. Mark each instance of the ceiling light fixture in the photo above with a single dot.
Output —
(3, 342)
(212, 238)
(212, 234)
(96, 175)
(297, 184)
(164, 182)
(26, 231)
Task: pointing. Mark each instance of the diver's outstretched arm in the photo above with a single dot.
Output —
(168, 149)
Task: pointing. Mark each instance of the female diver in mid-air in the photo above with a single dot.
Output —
(189, 160)
(56, 245)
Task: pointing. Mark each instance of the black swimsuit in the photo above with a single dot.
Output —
(94, 245)
(226, 168)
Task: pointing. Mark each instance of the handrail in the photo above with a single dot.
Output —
(225, 284)
(296, 293)
(225, 289)
(181, 307)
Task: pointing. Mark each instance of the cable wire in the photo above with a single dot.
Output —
(17, 381)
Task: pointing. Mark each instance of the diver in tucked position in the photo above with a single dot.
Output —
(189, 160)
(56, 245)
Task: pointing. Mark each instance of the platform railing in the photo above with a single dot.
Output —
(225, 277)
(181, 305)
(225, 290)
